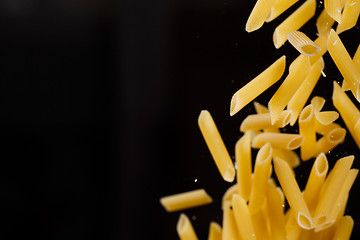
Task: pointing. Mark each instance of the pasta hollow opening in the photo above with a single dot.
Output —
(287, 118)
(295, 142)
(306, 113)
(304, 221)
(320, 221)
(337, 135)
(181, 226)
(309, 50)
(229, 174)
(233, 105)
(265, 153)
(321, 165)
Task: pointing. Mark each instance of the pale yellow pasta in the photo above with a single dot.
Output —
(356, 60)
(185, 200)
(315, 181)
(299, 99)
(259, 108)
(279, 7)
(323, 129)
(228, 194)
(258, 14)
(216, 146)
(294, 22)
(330, 140)
(259, 222)
(324, 23)
(287, 89)
(303, 43)
(257, 86)
(229, 230)
(278, 140)
(244, 168)
(331, 189)
(288, 155)
(263, 121)
(215, 231)
(261, 176)
(242, 217)
(333, 8)
(326, 117)
(318, 103)
(344, 63)
(349, 17)
(185, 229)
(344, 228)
(307, 129)
(348, 111)
(293, 193)
(275, 206)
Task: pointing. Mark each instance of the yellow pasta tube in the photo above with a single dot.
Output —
(303, 43)
(228, 194)
(258, 14)
(242, 217)
(330, 140)
(292, 193)
(288, 88)
(349, 17)
(259, 108)
(244, 168)
(278, 140)
(344, 63)
(307, 129)
(302, 94)
(333, 8)
(263, 121)
(318, 103)
(257, 86)
(229, 230)
(294, 22)
(348, 111)
(185, 200)
(288, 155)
(344, 228)
(215, 231)
(331, 189)
(316, 180)
(326, 117)
(356, 60)
(185, 229)
(275, 205)
(324, 23)
(261, 176)
(279, 7)
(216, 146)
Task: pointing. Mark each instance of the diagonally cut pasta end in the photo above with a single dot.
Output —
(337, 135)
(296, 142)
(229, 174)
(234, 106)
(277, 44)
(182, 223)
(321, 165)
(304, 221)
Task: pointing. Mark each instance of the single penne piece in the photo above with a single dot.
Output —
(293, 194)
(216, 146)
(326, 117)
(307, 129)
(259, 108)
(257, 86)
(259, 14)
(185, 229)
(330, 140)
(288, 155)
(324, 23)
(242, 217)
(294, 22)
(244, 168)
(331, 190)
(278, 140)
(303, 43)
(315, 181)
(185, 200)
(347, 109)
(279, 7)
(229, 230)
(228, 194)
(302, 94)
(263, 121)
(349, 16)
(261, 176)
(356, 60)
(287, 89)
(333, 8)
(215, 231)
(259, 223)
(344, 228)
(344, 63)
(275, 203)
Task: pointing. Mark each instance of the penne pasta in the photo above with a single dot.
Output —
(333, 8)
(275, 202)
(242, 217)
(278, 140)
(229, 230)
(307, 129)
(356, 60)
(259, 223)
(263, 121)
(216, 146)
(257, 86)
(215, 231)
(288, 155)
(303, 43)
(330, 140)
(344, 228)
(294, 22)
(259, 108)
(324, 23)
(259, 14)
(279, 7)
(185, 229)
(350, 16)
(185, 200)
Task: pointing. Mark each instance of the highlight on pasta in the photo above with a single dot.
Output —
(254, 200)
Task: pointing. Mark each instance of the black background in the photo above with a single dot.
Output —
(99, 103)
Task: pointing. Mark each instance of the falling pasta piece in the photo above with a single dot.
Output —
(333, 8)
(185, 229)
(303, 43)
(350, 16)
(279, 7)
(258, 15)
(215, 231)
(279, 140)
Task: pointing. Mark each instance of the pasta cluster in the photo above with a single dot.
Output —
(254, 207)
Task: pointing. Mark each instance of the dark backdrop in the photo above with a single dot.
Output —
(99, 103)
